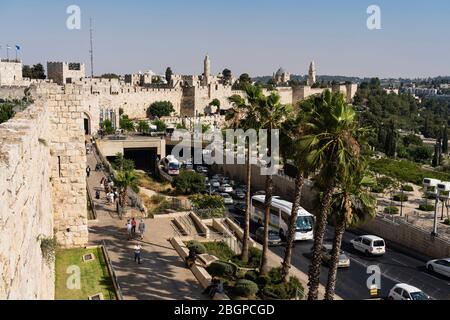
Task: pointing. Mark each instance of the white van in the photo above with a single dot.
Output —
(369, 245)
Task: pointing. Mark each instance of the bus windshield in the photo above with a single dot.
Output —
(305, 223)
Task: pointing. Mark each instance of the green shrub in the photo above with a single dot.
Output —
(245, 288)
(294, 288)
(447, 222)
(407, 188)
(400, 197)
(251, 275)
(385, 182)
(283, 291)
(189, 182)
(377, 189)
(426, 207)
(221, 269)
(263, 280)
(275, 275)
(391, 210)
(196, 246)
(219, 249)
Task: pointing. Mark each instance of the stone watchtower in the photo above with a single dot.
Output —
(312, 74)
(206, 71)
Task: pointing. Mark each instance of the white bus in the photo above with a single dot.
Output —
(171, 165)
(280, 211)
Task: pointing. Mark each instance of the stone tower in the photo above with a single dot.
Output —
(206, 71)
(312, 74)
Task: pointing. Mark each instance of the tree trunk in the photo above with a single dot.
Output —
(292, 226)
(245, 240)
(319, 233)
(335, 253)
(264, 269)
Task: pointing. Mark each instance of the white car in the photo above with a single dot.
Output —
(369, 245)
(215, 183)
(441, 266)
(227, 199)
(403, 291)
(226, 188)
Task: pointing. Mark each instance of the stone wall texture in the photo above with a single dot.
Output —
(26, 213)
(42, 189)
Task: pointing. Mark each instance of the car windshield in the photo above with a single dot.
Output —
(342, 256)
(305, 223)
(419, 296)
(273, 235)
(378, 243)
(174, 166)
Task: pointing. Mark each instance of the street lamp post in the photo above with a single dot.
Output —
(434, 233)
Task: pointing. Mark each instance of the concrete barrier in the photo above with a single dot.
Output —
(200, 224)
(239, 232)
(179, 247)
(180, 226)
(408, 236)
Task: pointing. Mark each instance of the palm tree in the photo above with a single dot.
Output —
(331, 146)
(123, 180)
(244, 115)
(292, 130)
(272, 114)
(352, 205)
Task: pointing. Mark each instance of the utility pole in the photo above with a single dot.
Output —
(91, 51)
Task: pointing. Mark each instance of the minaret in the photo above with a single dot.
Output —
(312, 74)
(207, 71)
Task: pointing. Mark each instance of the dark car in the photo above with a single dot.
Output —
(274, 237)
(239, 208)
(239, 194)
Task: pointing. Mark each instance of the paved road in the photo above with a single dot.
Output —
(395, 267)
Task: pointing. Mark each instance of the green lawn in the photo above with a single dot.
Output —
(95, 277)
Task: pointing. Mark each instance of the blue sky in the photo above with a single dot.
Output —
(254, 36)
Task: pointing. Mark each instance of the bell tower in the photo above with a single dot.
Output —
(312, 74)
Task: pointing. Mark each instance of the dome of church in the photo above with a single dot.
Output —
(280, 72)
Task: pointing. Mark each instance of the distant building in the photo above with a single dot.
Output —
(10, 72)
(65, 72)
(281, 76)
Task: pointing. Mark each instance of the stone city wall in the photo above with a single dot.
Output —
(26, 213)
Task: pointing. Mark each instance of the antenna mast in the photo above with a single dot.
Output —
(91, 51)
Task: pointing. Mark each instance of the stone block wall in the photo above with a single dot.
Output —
(26, 213)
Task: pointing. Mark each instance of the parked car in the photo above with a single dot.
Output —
(274, 238)
(226, 188)
(369, 245)
(259, 193)
(239, 194)
(214, 183)
(239, 208)
(441, 266)
(227, 199)
(403, 291)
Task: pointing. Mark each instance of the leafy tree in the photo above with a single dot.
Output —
(110, 76)
(272, 114)
(160, 109)
(352, 205)
(121, 111)
(205, 127)
(244, 114)
(169, 74)
(245, 79)
(332, 147)
(189, 182)
(226, 73)
(215, 102)
(122, 164)
(445, 140)
(143, 126)
(213, 203)
(107, 126)
(160, 125)
(35, 72)
(6, 111)
(126, 123)
(123, 180)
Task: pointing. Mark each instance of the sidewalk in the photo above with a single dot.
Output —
(162, 274)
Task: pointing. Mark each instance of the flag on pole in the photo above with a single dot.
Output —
(17, 47)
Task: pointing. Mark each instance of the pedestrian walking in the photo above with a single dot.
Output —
(142, 227)
(129, 226)
(88, 171)
(133, 226)
(137, 253)
(111, 197)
